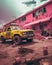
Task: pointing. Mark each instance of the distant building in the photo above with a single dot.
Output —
(40, 19)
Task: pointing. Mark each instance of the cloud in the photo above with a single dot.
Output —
(10, 8)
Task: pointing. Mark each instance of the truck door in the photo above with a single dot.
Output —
(8, 33)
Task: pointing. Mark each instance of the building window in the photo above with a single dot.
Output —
(45, 24)
(22, 19)
(33, 27)
(43, 10)
(41, 26)
(39, 12)
(34, 14)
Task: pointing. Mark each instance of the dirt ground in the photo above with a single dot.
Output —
(31, 50)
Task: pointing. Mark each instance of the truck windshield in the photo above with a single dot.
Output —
(16, 28)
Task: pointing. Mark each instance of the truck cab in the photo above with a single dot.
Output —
(16, 34)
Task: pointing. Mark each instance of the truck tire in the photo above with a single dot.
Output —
(3, 39)
(16, 39)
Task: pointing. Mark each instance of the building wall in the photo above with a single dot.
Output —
(30, 18)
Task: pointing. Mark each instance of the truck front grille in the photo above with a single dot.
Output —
(29, 32)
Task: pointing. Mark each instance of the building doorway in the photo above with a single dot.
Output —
(41, 26)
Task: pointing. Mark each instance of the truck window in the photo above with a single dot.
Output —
(15, 28)
(9, 29)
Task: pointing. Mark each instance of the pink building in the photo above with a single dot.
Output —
(40, 19)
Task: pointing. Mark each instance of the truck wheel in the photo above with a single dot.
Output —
(17, 39)
(3, 40)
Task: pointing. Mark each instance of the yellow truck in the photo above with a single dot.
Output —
(16, 34)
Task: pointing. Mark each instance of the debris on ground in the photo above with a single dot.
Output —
(3, 54)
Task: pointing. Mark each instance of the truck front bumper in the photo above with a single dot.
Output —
(26, 37)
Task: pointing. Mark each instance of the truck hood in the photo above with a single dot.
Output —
(25, 30)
